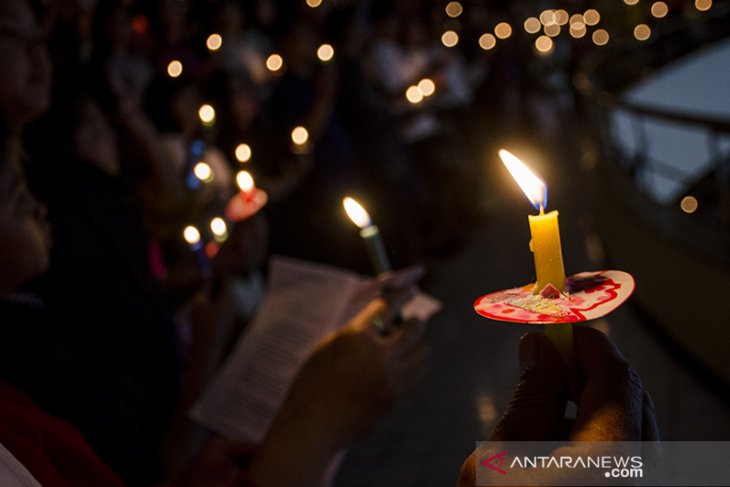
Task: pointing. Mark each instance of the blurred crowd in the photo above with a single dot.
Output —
(131, 77)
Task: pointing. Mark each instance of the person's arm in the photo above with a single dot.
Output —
(350, 382)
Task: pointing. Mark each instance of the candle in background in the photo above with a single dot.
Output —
(219, 228)
(243, 153)
(370, 235)
(545, 246)
(325, 53)
(207, 114)
(245, 184)
(203, 171)
(192, 237)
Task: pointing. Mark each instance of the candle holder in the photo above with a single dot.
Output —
(553, 300)
(588, 296)
(240, 208)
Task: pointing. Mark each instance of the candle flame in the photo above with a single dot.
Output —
(299, 135)
(356, 212)
(244, 181)
(207, 114)
(191, 234)
(203, 171)
(218, 226)
(533, 187)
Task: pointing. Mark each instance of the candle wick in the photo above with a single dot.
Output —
(542, 209)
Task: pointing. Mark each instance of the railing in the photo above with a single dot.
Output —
(603, 79)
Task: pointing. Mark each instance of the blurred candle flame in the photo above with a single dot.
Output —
(299, 135)
(244, 181)
(356, 212)
(191, 235)
(219, 228)
(207, 114)
(203, 171)
(533, 187)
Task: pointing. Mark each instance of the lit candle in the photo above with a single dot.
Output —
(245, 184)
(206, 113)
(370, 235)
(545, 246)
(219, 228)
(192, 237)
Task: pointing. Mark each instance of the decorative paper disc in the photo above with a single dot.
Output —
(239, 209)
(589, 295)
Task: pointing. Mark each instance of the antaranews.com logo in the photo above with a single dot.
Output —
(611, 466)
(564, 463)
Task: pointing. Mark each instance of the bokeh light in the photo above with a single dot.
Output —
(502, 30)
(659, 9)
(274, 62)
(174, 69)
(454, 9)
(591, 16)
(449, 38)
(487, 41)
(299, 135)
(214, 42)
(427, 86)
(414, 95)
(703, 5)
(532, 25)
(203, 171)
(544, 45)
(243, 153)
(600, 37)
(207, 114)
(325, 53)
(689, 204)
(642, 32)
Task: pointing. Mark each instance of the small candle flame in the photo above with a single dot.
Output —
(325, 53)
(533, 187)
(299, 135)
(203, 171)
(356, 212)
(244, 181)
(218, 226)
(191, 235)
(207, 114)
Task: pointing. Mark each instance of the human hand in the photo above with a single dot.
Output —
(612, 404)
(357, 375)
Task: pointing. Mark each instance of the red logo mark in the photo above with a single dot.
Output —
(498, 459)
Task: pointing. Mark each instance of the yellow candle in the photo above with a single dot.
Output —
(545, 246)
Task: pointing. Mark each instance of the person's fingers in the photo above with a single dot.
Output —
(538, 406)
(406, 337)
(371, 317)
(649, 427)
(468, 473)
(611, 400)
(395, 299)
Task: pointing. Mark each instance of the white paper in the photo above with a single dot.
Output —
(13, 473)
(304, 302)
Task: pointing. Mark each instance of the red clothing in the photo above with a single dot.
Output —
(52, 450)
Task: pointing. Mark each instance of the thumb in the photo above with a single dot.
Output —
(537, 408)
